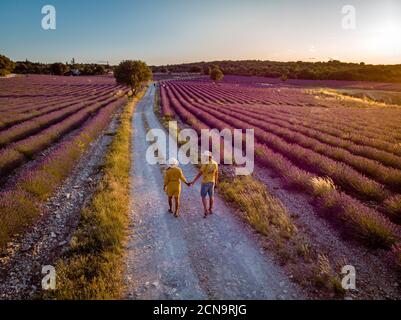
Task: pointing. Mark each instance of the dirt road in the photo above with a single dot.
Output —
(190, 257)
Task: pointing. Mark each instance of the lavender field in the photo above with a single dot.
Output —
(46, 123)
(346, 156)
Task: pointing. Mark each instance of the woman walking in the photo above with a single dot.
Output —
(172, 185)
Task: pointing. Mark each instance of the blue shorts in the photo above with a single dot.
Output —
(207, 189)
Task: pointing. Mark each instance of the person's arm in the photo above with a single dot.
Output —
(183, 179)
(216, 177)
(196, 178)
(165, 180)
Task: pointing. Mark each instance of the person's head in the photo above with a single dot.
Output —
(208, 156)
(173, 162)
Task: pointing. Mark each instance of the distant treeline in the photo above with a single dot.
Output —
(331, 70)
(28, 67)
(69, 68)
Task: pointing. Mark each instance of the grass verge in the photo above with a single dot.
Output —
(263, 211)
(92, 267)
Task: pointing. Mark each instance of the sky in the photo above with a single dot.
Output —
(178, 31)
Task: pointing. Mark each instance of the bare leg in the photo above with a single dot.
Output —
(204, 202)
(170, 204)
(177, 205)
(211, 204)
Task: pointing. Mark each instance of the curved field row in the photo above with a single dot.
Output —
(333, 147)
(342, 174)
(292, 134)
(37, 104)
(46, 109)
(359, 139)
(24, 150)
(343, 113)
(368, 160)
(347, 123)
(38, 113)
(34, 126)
(387, 153)
(204, 95)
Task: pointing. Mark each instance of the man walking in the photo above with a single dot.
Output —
(210, 174)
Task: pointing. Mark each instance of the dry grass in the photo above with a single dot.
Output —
(353, 101)
(393, 207)
(321, 185)
(92, 268)
(326, 277)
(263, 211)
(18, 210)
(365, 223)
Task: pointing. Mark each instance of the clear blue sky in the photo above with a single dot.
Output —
(173, 31)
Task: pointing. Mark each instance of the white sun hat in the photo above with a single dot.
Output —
(208, 154)
(173, 162)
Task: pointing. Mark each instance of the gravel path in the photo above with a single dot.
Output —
(190, 257)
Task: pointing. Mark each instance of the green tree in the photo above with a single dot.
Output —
(216, 74)
(58, 68)
(133, 74)
(6, 65)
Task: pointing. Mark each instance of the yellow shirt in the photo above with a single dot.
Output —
(209, 171)
(172, 179)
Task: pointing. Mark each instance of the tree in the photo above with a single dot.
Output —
(133, 74)
(216, 74)
(206, 70)
(6, 65)
(58, 68)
